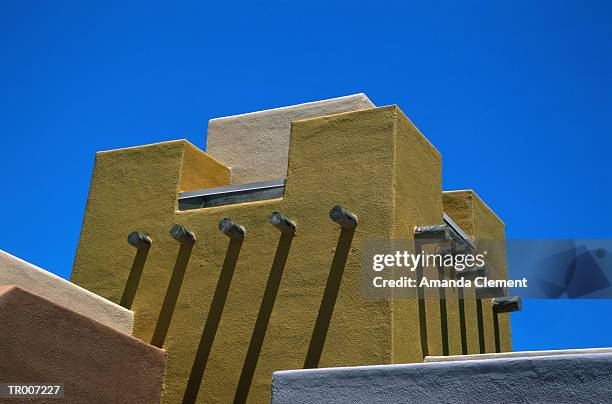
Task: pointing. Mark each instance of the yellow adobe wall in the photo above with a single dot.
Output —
(374, 162)
(200, 171)
(475, 217)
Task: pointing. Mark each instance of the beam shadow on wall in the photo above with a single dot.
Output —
(142, 243)
(236, 234)
(287, 229)
(418, 246)
(496, 332)
(504, 304)
(462, 325)
(187, 240)
(480, 323)
(348, 222)
(443, 314)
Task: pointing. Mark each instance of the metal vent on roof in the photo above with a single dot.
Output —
(232, 194)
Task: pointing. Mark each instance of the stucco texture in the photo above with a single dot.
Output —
(44, 342)
(15, 271)
(577, 378)
(255, 146)
(477, 219)
(374, 162)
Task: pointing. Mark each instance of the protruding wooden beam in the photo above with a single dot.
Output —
(343, 217)
(142, 243)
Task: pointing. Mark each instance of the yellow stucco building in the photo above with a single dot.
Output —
(248, 307)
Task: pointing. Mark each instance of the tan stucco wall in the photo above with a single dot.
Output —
(15, 271)
(44, 342)
(256, 145)
(477, 219)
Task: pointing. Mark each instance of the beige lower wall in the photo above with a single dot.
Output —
(15, 271)
(45, 342)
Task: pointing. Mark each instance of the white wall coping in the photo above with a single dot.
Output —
(517, 354)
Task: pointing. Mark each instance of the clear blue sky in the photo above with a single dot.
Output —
(516, 95)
